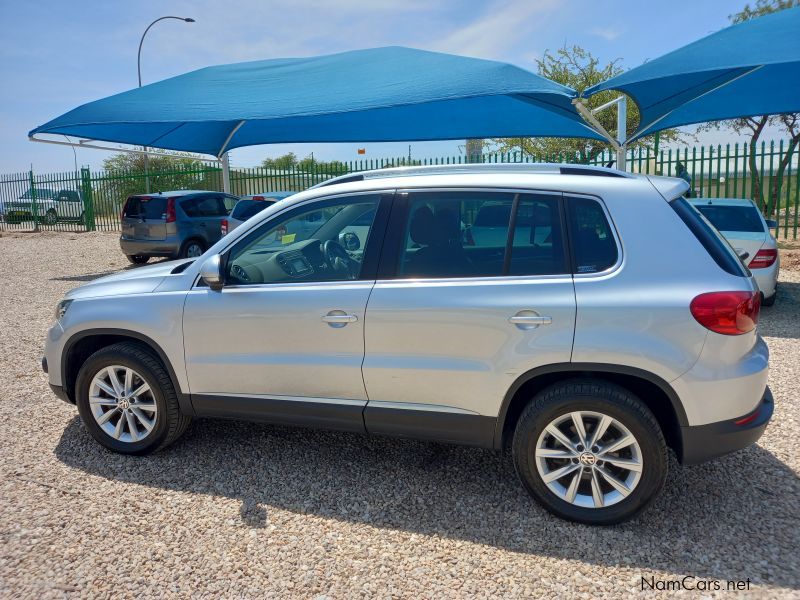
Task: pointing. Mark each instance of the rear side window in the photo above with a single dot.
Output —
(538, 243)
(593, 245)
(732, 218)
(245, 209)
(204, 206)
(145, 207)
(716, 246)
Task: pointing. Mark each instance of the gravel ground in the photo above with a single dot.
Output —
(244, 510)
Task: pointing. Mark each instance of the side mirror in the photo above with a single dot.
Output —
(211, 273)
(772, 223)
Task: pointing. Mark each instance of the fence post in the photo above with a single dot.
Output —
(34, 203)
(88, 202)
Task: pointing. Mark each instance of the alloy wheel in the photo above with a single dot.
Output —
(589, 459)
(122, 403)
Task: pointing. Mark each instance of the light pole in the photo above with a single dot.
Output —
(139, 72)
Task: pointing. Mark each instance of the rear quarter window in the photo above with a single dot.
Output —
(245, 209)
(594, 248)
(716, 245)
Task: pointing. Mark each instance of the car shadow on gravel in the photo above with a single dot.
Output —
(781, 320)
(733, 518)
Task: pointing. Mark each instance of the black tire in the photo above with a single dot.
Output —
(137, 259)
(771, 300)
(188, 245)
(601, 397)
(50, 217)
(170, 423)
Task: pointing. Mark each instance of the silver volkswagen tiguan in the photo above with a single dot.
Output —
(603, 321)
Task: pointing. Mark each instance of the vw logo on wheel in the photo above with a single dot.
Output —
(588, 459)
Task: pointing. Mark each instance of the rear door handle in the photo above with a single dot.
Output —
(529, 319)
(339, 318)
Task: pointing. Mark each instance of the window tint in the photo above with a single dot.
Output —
(204, 206)
(229, 202)
(455, 234)
(538, 247)
(326, 243)
(245, 209)
(593, 244)
(716, 245)
(145, 207)
(732, 218)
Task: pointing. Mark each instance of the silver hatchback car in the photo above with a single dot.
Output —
(608, 323)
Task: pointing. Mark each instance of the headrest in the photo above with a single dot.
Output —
(423, 228)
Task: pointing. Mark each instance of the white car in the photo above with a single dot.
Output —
(743, 225)
(51, 206)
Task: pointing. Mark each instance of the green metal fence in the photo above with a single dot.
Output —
(88, 200)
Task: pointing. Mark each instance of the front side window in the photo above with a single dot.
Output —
(324, 242)
(593, 244)
(204, 206)
(466, 234)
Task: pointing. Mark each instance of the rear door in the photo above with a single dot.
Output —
(145, 218)
(452, 322)
(205, 213)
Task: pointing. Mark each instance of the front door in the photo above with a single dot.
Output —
(478, 292)
(284, 338)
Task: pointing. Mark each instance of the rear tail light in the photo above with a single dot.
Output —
(764, 258)
(171, 218)
(224, 227)
(728, 313)
(259, 198)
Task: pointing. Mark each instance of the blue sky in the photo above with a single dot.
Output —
(56, 55)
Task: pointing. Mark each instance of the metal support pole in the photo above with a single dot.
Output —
(226, 173)
(622, 132)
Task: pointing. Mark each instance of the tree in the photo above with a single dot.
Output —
(753, 127)
(282, 163)
(579, 69)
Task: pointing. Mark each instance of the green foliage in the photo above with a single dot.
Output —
(307, 165)
(579, 69)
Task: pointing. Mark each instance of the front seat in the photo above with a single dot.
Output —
(441, 254)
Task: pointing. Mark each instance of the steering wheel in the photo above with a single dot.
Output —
(337, 258)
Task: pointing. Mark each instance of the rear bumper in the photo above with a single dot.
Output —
(767, 279)
(168, 247)
(704, 442)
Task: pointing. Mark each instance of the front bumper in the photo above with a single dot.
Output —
(704, 442)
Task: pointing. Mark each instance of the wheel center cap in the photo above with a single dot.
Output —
(588, 459)
(124, 404)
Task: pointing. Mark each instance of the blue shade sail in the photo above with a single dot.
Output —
(376, 95)
(748, 69)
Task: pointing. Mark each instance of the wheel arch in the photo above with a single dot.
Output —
(654, 391)
(83, 344)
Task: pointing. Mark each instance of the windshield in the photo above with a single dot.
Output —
(732, 218)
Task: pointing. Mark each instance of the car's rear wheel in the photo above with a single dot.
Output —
(590, 451)
(127, 401)
(138, 259)
(192, 249)
(50, 217)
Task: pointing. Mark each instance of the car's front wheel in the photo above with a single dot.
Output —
(127, 401)
(590, 451)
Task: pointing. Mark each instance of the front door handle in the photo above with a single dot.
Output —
(529, 319)
(339, 318)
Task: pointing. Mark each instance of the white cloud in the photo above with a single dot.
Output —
(607, 33)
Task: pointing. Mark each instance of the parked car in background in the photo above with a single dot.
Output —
(631, 328)
(22, 208)
(178, 224)
(743, 225)
(249, 206)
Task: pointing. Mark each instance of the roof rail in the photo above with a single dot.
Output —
(551, 168)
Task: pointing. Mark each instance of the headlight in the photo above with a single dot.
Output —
(61, 309)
